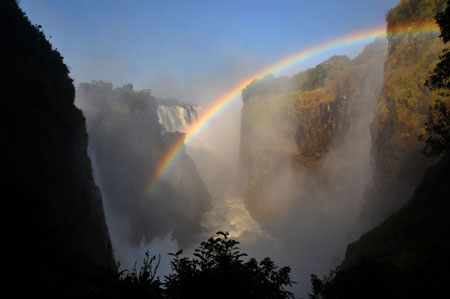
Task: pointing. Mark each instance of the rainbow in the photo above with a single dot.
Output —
(350, 39)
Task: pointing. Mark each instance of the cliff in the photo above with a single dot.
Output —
(294, 125)
(401, 111)
(305, 120)
(56, 235)
(418, 233)
(407, 256)
(325, 115)
(126, 142)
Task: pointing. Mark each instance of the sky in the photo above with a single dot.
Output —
(193, 50)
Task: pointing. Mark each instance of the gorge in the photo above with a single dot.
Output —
(319, 170)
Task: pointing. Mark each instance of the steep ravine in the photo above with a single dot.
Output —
(305, 157)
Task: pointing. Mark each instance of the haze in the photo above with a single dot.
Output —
(194, 51)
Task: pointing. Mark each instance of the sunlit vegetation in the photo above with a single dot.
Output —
(438, 128)
(414, 11)
(274, 105)
(322, 74)
(407, 256)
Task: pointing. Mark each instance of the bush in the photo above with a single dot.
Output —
(216, 271)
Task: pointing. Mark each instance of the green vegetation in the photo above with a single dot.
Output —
(314, 78)
(414, 11)
(322, 74)
(407, 256)
(267, 85)
(438, 128)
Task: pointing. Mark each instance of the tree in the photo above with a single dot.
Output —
(218, 271)
(438, 128)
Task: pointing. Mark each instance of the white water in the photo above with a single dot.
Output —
(177, 118)
(214, 150)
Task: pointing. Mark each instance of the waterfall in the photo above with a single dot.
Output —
(177, 118)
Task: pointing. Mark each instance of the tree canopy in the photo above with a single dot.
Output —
(438, 127)
(216, 270)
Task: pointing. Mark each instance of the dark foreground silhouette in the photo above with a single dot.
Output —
(217, 270)
(57, 243)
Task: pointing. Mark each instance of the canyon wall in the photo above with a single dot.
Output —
(347, 120)
(401, 111)
(314, 125)
(126, 142)
(56, 235)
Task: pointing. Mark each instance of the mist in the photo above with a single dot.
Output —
(307, 207)
(125, 142)
(307, 210)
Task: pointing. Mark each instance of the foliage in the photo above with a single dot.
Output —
(308, 80)
(217, 271)
(132, 284)
(414, 11)
(267, 85)
(370, 52)
(323, 73)
(369, 279)
(439, 79)
(438, 128)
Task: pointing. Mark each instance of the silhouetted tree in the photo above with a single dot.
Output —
(217, 271)
(369, 278)
(132, 284)
(438, 128)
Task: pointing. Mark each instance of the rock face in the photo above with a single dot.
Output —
(126, 143)
(56, 232)
(407, 254)
(419, 229)
(177, 118)
(305, 153)
(315, 123)
(402, 110)
(323, 109)
(327, 116)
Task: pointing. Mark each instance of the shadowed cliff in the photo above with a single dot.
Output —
(56, 235)
(407, 256)
(126, 142)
